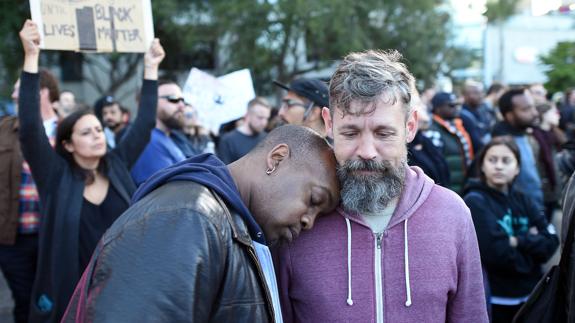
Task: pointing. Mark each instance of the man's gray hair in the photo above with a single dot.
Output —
(368, 77)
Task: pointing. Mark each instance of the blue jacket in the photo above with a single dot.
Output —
(160, 152)
(478, 122)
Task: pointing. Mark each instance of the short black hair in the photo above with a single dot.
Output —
(494, 88)
(302, 141)
(506, 100)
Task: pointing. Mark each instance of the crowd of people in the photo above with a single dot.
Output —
(434, 207)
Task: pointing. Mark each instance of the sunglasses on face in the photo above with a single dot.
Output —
(173, 99)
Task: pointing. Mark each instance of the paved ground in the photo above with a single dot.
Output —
(6, 303)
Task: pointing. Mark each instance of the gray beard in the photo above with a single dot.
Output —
(369, 194)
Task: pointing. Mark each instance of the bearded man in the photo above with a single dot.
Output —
(399, 248)
(167, 144)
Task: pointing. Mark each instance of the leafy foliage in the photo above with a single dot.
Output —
(277, 39)
(13, 15)
(560, 62)
(500, 10)
(285, 38)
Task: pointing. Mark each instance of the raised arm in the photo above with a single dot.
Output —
(34, 143)
(134, 142)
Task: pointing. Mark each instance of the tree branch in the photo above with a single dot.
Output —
(94, 80)
(316, 66)
(125, 94)
(128, 73)
(284, 47)
(92, 61)
(299, 33)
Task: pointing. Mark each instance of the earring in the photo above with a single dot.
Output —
(269, 171)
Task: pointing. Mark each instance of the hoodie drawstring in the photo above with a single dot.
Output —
(406, 258)
(406, 264)
(349, 300)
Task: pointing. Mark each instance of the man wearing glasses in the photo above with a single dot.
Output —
(303, 103)
(167, 144)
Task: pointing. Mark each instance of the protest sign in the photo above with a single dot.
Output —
(94, 25)
(219, 100)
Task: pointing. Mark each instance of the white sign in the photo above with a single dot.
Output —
(219, 99)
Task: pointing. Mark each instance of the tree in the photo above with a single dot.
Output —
(282, 39)
(285, 38)
(560, 67)
(13, 15)
(118, 69)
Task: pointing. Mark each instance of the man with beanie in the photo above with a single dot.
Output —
(449, 135)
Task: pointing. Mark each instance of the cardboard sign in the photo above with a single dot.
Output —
(219, 100)
(94, 25)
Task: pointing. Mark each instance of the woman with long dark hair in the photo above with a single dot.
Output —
(514, 236)
(83, 187)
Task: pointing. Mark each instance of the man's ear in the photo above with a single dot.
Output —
(327, 121)
(276, 155)
(411, 125)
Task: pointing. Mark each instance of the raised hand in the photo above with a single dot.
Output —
(155, 54)
(30, 37)
(152, 59)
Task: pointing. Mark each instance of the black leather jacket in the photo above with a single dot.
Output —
(568, 214)
(178, 255)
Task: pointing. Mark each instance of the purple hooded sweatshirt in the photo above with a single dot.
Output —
(425, 267)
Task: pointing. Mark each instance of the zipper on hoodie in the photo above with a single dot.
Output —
(378, 279)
